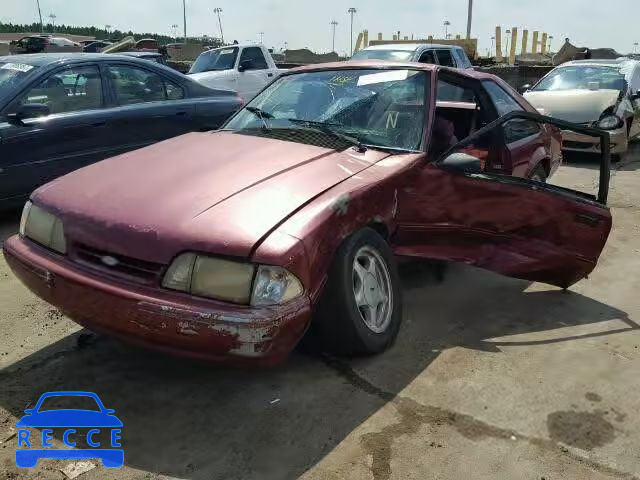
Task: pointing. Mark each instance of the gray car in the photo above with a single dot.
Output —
(599, 93)
(445, 55)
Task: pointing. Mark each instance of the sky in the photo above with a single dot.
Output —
(303, 23)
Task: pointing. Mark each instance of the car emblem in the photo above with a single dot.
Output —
(109, 261)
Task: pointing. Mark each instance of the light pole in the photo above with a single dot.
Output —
(550, 38)
(261, 37)
(446, 24)
(352, 11)
(218, 11)
(40, 15)
(174, 27)
(508, 33)
(184, 15)
(491, 50)
(107, 28)
(469, 19)
(53, 17)
(635, 47)
(334, 24)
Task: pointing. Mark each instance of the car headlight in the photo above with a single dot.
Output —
(42, 227)
(231, 281)
(610, 122)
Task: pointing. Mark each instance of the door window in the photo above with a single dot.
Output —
(256, 57)
(445, 59)
(516, 129)
(69, 90)
(136, 85)
(428, 57)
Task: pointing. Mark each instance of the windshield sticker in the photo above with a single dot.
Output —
(226, 52)
(342, 79)
(18, 67)
(383, 77)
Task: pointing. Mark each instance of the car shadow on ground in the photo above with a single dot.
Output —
(9, 223)
(201, 422)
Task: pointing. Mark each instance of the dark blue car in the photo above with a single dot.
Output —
(60, 112)
(95, 418)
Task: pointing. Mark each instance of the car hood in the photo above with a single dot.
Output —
(577, 106)
(213, 192)
(69, 418)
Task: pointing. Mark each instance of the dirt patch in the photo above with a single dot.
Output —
(583, 430)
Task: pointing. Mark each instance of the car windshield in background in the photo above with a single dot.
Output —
(377, 108)
(390, 55)
(220, 59)
(12, 73)
(583, 77)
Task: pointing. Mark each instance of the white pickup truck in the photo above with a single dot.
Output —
(243, 68)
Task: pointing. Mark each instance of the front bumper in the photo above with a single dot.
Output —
(159, 319)
(576, 142)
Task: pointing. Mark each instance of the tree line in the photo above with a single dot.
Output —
(102, 33)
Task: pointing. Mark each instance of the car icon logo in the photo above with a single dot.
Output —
(98, 426)
(109, 261)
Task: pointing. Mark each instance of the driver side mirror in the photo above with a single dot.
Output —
(462, 162)
(245, 65)
(525, 87)
(27, 111)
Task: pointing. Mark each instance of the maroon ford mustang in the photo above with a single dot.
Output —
(231, 244)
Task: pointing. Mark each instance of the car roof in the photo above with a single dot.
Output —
(141, 54)
(409, 47)
(42, 59)
(603, 62)
(386, 65)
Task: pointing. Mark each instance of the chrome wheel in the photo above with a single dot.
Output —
(372, 289)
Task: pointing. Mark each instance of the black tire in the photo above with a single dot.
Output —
(338, 326)
(539, 174)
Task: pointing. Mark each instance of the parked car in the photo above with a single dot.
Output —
(230, 244)
(600, 93)
(245, 68)
(147, 44)
(60, 112)
(445, 55)
(95, 47)
(151, 56)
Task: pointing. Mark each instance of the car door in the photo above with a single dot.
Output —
(454, 209)
(527, 143)
(150, 107)
(256, 75)
(73, 135)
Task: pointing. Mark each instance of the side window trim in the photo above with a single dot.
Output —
(149, 71)
(45, 76)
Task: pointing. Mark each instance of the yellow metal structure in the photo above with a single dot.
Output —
(534, 47)
(514, 44)
(498, 44)
(543, 48)
(525, 40)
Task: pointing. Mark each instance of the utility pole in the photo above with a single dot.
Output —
(53, 17)
(334, 24)
(184, 14)
(469, 19)
(40, 15)
(352, 11)
(218, 11)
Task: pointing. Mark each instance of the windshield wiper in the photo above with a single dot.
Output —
(328, 128)
(261, 114)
